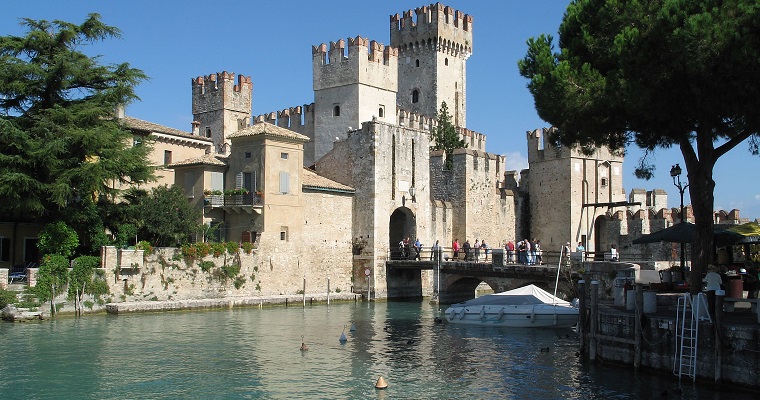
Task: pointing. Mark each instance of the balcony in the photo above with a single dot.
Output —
(236, 203)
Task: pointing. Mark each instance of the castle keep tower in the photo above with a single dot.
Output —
(433, 52)
(351, 88)
(221, 106)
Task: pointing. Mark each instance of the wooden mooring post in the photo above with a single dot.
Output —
(594, 319)
(637, 325)
(582, 316)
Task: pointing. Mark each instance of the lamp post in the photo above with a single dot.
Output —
(412, 191)
(675, 172)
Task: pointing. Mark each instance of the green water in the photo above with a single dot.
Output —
(254, 354)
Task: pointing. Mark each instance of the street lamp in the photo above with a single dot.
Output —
(411, 194)
(675, 172)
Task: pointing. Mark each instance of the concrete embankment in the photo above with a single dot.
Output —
(225, 302)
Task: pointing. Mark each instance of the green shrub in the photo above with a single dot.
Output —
(58, 238)
(247, 247)
(206, 266)
(231, 271)
(239, 282)
(232, 248)
(144, 245)
(218, 249)
(7, 297)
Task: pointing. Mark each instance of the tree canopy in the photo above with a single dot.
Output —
(655, 74)
(59, 140)
(444, 136)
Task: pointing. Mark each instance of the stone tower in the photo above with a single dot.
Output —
(221, 106)
(433, 52)
(569, 192)
(351, 88)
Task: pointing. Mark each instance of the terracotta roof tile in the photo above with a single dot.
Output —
(140, 125)
(207, 159)
(313, 181)
(264, 128)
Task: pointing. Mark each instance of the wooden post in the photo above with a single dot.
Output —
(719, 296)
(328, 290)
(594, 319)
(582, 316)
(304, 291)
(637, 325)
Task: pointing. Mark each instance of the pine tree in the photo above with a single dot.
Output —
(445, 137)
(59, 140)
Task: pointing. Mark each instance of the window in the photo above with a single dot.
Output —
(603, 182)
(5, 249)
(336, 111)
(446, 62)
(208, 132)
(284, 233)
(284, 182)
(415, 96)
(167, 157)
(284, 156)
(247, 154)
(381, 111)
(416, 63)
(189, 184)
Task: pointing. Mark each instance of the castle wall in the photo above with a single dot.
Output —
(221, 105)
(433, 50)
(353, 83)
(585, 186)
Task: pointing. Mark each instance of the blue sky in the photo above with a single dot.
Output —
(174, 41)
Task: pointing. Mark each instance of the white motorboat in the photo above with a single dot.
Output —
(525, 307)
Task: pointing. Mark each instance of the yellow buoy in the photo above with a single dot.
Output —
(381, 384)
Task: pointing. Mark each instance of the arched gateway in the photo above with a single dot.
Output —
(402, 224)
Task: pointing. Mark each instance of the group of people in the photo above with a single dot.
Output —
(405, 247)
(472, 252)
(526, 252)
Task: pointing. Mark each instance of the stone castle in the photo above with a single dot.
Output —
(335, 184)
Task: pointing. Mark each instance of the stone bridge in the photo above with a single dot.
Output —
(458, 279)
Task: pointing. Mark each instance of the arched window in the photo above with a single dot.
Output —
(381, 112)
(336, 111)
(446, 61)
(415, 96)
(416, 63)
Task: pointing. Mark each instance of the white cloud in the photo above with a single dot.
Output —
(515, 161)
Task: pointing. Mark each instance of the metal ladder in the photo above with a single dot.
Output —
(688, 315)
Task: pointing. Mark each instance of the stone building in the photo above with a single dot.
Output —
(329, 187)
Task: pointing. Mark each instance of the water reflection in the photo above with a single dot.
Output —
(252, 353)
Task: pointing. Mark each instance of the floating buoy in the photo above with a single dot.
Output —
(304, 347)
(461, 316)
(483, 313)
(343, 335)
(381, 384)
(501, 313)
(353, 327)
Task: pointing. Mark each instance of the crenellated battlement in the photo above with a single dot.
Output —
(540, 149)
(356, 48)
(474, 140)
(203, 84)
(356, 61)
(295, 118)
(223, 90)
(435, 28)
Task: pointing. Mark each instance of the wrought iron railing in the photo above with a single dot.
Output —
(221, 200)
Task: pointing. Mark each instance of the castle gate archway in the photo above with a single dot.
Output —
(402, 224)
(600, 238)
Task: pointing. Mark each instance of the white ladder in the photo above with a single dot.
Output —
(688, 315)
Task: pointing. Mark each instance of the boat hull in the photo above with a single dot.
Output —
(522, 316)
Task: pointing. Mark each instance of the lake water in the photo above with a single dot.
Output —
(254, 354)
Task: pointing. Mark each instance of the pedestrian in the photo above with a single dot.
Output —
(455, 248)
(476, 248)
(539, 256)
(528, 252)
(401, 249)
(434, 251)
(417, 249)
(510, 252)
(613, 253)
(485, 248)
(466, 248)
